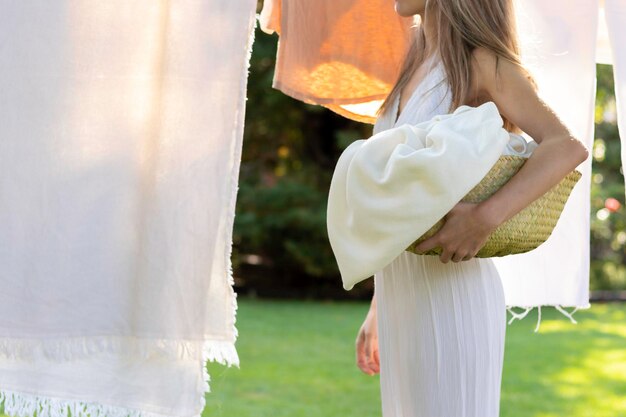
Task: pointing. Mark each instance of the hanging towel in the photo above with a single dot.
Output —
(388, 190)
(342, 54)
(120, 138)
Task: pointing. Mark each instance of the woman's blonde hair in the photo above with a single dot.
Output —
(461, 26)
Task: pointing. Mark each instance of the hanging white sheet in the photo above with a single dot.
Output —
(120, 136)
(560, 47)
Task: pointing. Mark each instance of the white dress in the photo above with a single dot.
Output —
(441, 327)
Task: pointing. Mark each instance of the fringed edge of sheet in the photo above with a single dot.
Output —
(225, 353)
(21, 404)
(65, 349)
(527, 309)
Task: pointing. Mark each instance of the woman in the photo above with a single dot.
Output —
(435, 329)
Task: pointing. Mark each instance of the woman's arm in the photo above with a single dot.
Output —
(367, 358)
(467, 225)
(558, 152)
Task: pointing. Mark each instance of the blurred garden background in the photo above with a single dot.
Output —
(298, 326)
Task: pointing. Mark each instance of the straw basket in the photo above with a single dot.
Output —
(526, 230)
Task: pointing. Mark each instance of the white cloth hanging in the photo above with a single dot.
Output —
(560, 46)
(391, 188)
(120, 137)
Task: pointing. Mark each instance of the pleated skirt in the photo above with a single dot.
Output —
(441, 332)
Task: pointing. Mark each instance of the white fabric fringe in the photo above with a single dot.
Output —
(21, 404)
(515, 315)
(66, 349)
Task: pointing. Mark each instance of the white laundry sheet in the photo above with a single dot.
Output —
(121, 126)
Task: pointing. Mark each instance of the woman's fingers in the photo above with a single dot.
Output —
(429, 243)
(365, 364)
(361, 357)
(460, 256)
(367, 352)
(371, 345)
(446, 255)
(375, 365)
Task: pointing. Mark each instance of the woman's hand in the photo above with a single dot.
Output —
(464, 232)
(367, 358)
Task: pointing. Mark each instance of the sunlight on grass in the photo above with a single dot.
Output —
(597, 371)
(614, 324)
(574, 370)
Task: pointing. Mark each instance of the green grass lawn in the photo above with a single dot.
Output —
(297, 360)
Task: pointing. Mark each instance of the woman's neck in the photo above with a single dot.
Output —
(430, 34)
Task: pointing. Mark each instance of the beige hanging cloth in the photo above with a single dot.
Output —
(121, 129)
(341, 54)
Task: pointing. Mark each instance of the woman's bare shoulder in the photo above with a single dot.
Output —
(508, 86)
(491, 73)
